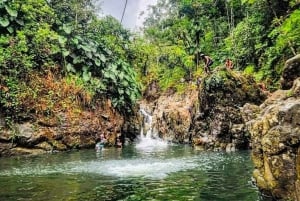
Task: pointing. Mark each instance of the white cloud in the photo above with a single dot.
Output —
(132, 16)
(143, 7)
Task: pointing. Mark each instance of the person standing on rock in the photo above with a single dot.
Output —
(228, 64)
(207, 61)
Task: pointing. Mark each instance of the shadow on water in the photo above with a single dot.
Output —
(170, 173)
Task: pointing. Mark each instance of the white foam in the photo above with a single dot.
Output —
(148, 140)
(148, 168)
(151, 144)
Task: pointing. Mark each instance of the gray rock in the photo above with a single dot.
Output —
(275, 139)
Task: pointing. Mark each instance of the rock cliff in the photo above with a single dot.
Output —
(61, 132)
(219, 123)
(275, 136)
(208, 115)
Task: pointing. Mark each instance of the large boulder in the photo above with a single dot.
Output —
(291, 71)
(275, 137)
(172, 114)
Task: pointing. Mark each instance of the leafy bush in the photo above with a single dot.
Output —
(121, 86)
(250, 69)
(36, 39)
(216, 81)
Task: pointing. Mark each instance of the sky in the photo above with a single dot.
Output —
(132, 18)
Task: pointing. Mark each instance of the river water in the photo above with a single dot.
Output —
(164, 172)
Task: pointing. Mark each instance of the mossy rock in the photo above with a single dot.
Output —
(229, 88)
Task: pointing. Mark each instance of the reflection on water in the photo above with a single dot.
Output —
(131, 173)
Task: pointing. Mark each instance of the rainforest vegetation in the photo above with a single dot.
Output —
(55, 53)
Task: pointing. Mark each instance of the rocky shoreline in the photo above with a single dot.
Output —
(227, 111)
(62, 132)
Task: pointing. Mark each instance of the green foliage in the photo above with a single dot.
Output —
(287, 34)
(8, 17)
(293, 3)
(250, 69)
(14, 59)
(82, 54)
(243, 42)
(122, 88)
(216, 81)
(285, 40)
(169, 64)
(171, 78)
(250, 32)
(113, 36)
(260, 75)
(111, 77)
(66, 37)
(192, 27)
(9, 98)
(73, 13)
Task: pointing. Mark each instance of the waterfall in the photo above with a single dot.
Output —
(147, 125)
(148, 138)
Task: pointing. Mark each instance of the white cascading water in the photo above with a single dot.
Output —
(149, 139)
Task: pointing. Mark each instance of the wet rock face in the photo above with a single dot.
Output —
(290, 72)
(275, 138)
(132, 125)
(61, 132)
(172, 115)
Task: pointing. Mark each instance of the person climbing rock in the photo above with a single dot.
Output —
(208, 62)
(264, 89)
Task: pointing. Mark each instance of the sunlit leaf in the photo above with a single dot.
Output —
(4, 22)
(75, 40)
(20, 22)
(77, 60)
(86, 75)
(70, 68)
(102, 58)
(66, 53)
(10, 29)
(11, 12)
(85, 48)
(98, 62)
(62, 40)
(67, 28)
